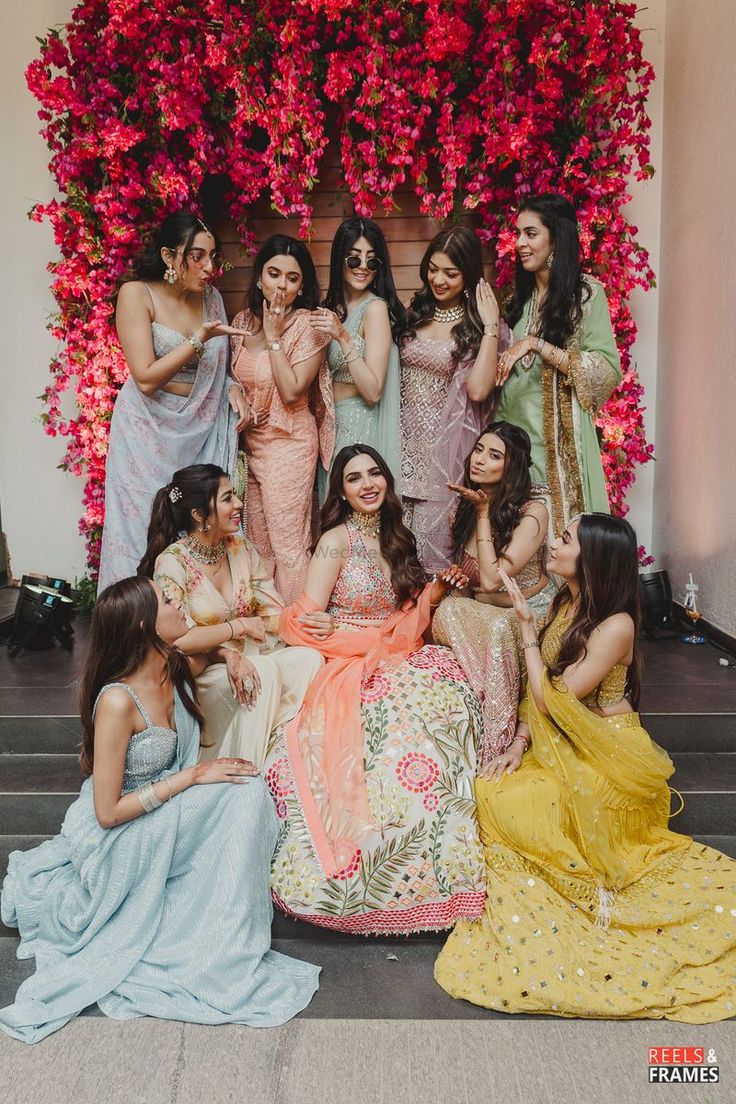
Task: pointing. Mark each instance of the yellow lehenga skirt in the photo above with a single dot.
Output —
(594, 908)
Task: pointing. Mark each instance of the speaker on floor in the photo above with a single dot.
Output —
(656, 604)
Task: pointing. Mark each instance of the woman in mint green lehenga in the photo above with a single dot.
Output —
(360, 314)
(153, 899)
(563, 364)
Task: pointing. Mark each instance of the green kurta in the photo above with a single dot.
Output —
(558, 410)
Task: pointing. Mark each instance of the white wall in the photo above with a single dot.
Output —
(695, 494)
(644, 212)
(40, 504)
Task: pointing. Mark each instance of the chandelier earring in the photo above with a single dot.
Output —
(550, 259)
(170, 274)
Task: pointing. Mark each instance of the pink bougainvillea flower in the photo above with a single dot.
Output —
(469, 104)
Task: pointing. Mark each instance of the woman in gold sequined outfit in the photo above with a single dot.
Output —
(499, 522)
(595, 908)
(448, 349)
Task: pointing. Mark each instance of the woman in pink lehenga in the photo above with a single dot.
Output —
(373, 779)
(280, 362)
(499, 523)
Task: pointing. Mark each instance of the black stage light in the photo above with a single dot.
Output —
(43, 614)
(656, 604)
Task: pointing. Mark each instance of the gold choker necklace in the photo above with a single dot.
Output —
(205, 553)
(452, 314)
(369, 524)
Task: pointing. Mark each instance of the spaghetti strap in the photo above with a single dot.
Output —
(153, 304)
(131, 692)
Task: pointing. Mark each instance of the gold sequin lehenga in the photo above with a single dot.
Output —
(595, 908)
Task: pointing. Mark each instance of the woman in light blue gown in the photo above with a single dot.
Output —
(360, 313)
(154, 898)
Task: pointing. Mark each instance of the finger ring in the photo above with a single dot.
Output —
(277, 310)
(249, 685)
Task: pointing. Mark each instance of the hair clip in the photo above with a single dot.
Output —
(175, 494)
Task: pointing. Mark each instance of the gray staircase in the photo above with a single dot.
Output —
(40, 778)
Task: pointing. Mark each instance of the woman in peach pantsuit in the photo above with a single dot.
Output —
(280, 363)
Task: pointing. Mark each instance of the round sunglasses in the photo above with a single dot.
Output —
(372, 263)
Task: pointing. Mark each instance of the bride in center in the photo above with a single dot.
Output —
(373, 779)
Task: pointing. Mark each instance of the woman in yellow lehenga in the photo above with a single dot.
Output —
(594, 908)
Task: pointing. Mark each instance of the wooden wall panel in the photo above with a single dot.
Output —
(407, 233)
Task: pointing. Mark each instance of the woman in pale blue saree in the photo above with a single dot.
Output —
(179, 405)
(360, 314)
(154, 898)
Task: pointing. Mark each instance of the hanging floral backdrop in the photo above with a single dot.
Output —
(469, 103)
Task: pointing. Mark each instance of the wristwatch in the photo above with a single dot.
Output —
(275, 346)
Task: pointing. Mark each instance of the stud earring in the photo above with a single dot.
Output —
(299, 291)
(550, 259)
(170, 275)
(259, 285)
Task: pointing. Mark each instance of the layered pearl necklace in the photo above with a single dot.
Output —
(452, 314)
(209, 554)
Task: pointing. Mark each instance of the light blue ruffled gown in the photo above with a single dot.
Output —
(168, 915)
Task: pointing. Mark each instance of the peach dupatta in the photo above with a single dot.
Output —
(325, 739)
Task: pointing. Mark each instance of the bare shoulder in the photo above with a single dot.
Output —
(616, 632)
(116, 708)
(377, 310)
(334, 540)
(536, 509)
(134, 293)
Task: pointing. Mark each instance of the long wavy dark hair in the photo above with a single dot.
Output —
(398, 546)
(177, 231)
(280, 245)
(383, 284)
(123, 632)
(562, 309)
(197, 486)
(505, 510)
(608, 577)
(464, 250)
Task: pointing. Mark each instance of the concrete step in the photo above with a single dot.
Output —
(692, 731)
(36, 790)
(689, 732)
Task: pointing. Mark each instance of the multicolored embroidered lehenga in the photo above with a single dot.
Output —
(377, 835)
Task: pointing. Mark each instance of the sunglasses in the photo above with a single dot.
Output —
(372, 263)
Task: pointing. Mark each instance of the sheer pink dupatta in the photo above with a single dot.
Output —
(325, 739)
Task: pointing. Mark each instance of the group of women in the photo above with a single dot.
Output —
(302, 714)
